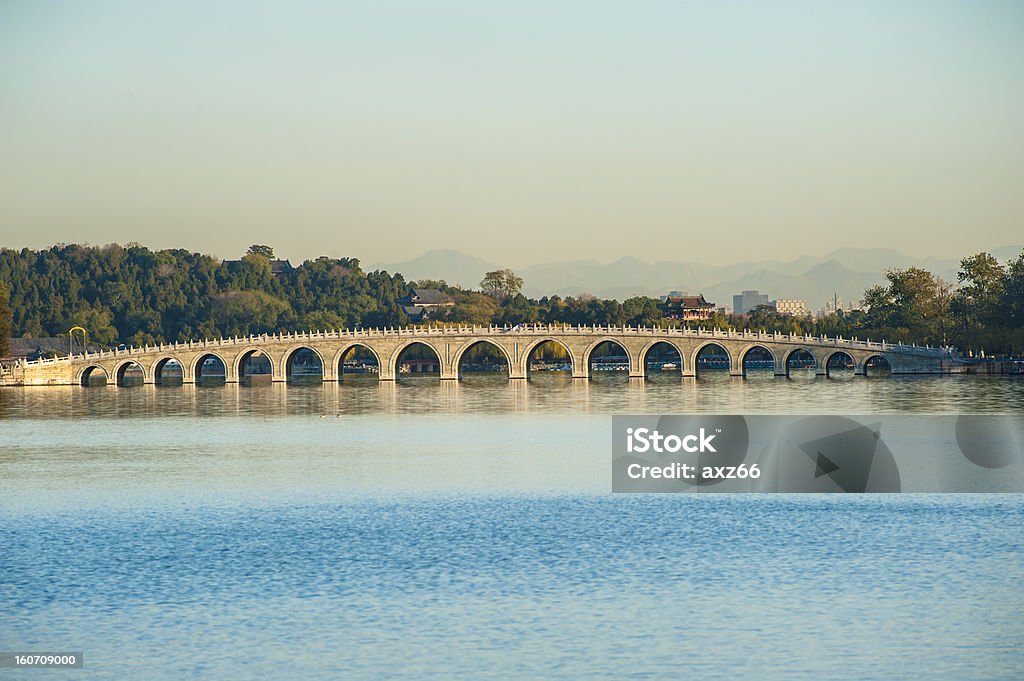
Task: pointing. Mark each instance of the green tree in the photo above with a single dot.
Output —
(516, 310)
(979, 306)
(98, 321)
(1013, 296)
(642, 311)
(472, 307)
(240, 313)
(502, 284)
(261, 250)
(439, 284)
(321, 319)
(5, 320)
(913, 307)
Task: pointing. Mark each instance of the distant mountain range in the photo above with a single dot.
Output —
(845, 272)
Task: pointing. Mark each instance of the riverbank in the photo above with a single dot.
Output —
(1009, 367)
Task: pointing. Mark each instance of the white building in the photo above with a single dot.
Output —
(791, 306)
(832, 307)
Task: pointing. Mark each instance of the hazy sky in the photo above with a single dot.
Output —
(518, 131)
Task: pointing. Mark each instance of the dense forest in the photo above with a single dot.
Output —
(131, 294)
(134, 295)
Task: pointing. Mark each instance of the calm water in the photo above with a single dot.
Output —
(432, 530)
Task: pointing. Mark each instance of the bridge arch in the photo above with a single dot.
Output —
(645, 354)
(535, 345)
(457, 360)
(766, 353)
(305, 358)
(802, 356)
(156, 369)
(197, 367)
(875, 365)
(839, 360)
(422, 366)
(588, 354)
(705, 345)
(126, 367)
(339, 357)
(253, 361)
(93, 374)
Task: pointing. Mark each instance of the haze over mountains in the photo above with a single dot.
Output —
(845, 272)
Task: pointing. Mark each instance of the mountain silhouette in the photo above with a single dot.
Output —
(846, 272)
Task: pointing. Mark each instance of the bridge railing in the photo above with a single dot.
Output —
(521, 329)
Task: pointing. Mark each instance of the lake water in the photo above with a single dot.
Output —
(429, 530)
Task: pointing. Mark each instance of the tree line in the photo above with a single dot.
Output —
(131, 294)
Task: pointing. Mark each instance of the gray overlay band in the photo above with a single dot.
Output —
(854, 454)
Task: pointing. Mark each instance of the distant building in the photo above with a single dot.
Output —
(836, 305)
(688, 308)
(37, 348)
(747, 301)
(279, 267)
(791, 306)
(425, 303)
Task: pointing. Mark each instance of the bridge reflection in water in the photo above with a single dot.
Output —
(450, 353)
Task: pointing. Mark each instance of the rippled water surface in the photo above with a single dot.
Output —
(428, 530)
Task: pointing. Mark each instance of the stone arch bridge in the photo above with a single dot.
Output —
(515, 344)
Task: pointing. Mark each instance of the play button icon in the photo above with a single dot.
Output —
(823, 466)
(829, 454)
